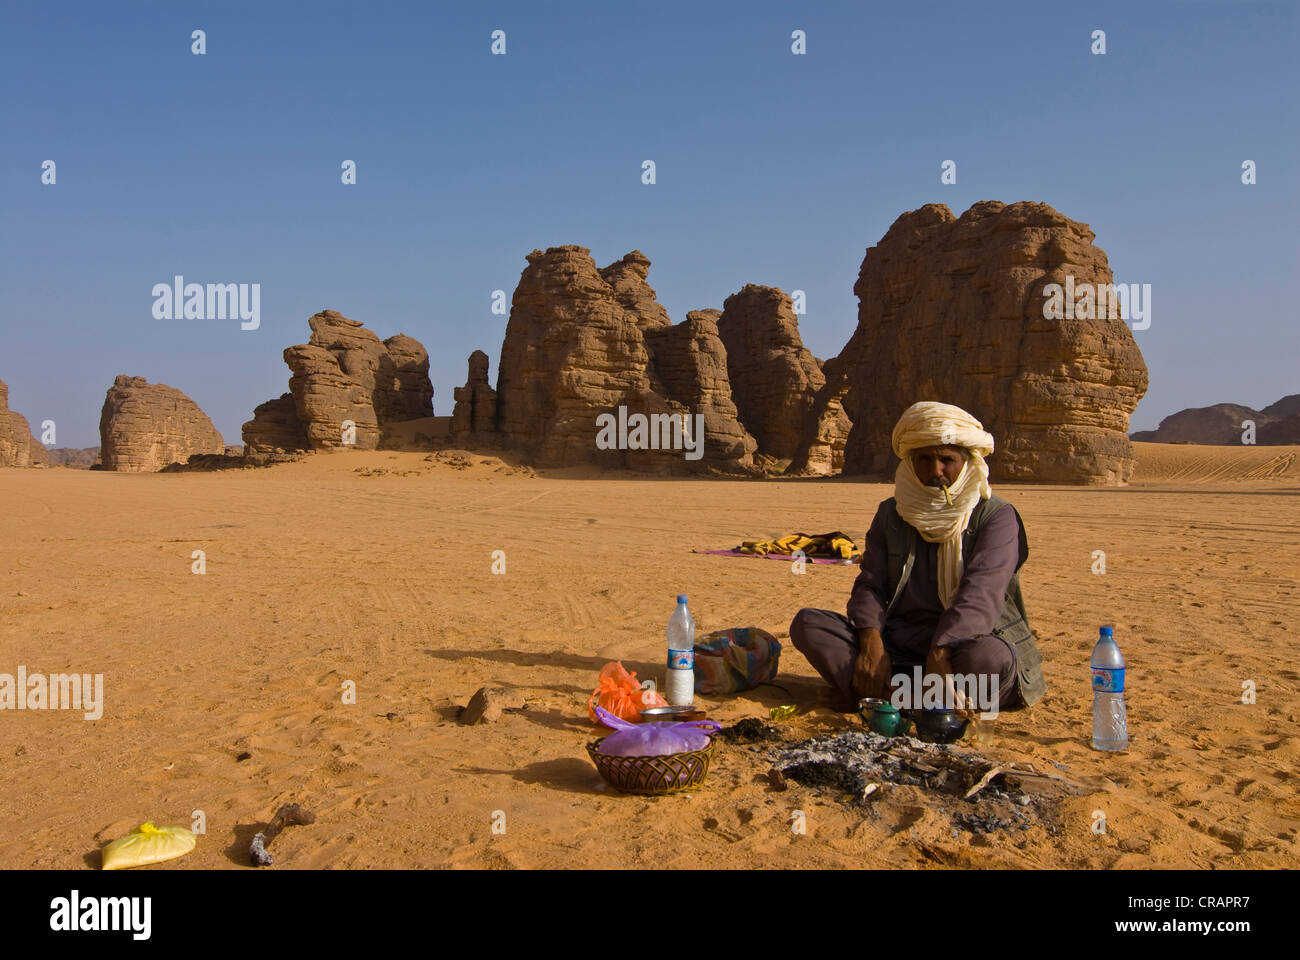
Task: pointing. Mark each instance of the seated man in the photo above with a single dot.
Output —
(939, 585)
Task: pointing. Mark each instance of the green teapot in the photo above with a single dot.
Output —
(882, 717)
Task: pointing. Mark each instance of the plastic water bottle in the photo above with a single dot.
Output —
(1109, 715)
(681, 655)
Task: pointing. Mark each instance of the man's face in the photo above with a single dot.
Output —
(938, 466)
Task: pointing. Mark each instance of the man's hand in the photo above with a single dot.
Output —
(937, 661)
(871, 670)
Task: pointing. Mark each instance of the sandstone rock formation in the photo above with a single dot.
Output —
(475, 413)
(952, 309)
(346, 385)
(581, 342)
(570, 351)
(773, 377)
(825, 431)
(412, 393)
(1221, 423)
(627, 278)
(333, 395)
(37, 455)
(18, 447)
(275, 427)
(144, 427)
(212, 462)
(691, 364)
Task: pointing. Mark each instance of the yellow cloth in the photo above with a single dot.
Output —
(941, 514)
(821, 545)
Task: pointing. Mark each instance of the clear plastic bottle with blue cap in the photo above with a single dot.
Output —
(1109, 714)
(680, 686)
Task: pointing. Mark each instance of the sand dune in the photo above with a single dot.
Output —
(1196, 463)
(375, 568)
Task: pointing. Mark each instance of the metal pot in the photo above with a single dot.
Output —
(939, 726)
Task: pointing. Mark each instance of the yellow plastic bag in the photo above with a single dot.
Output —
(148, 844)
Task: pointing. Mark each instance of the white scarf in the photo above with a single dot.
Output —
(941, 514)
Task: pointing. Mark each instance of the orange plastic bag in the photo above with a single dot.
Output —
(620, 694)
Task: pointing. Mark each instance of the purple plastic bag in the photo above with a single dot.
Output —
(655, 738)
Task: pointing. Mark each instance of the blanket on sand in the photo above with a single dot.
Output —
(833, 547)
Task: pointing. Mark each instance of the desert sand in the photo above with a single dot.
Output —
(376, 568)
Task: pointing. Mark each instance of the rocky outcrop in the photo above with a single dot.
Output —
(582, 342)
(773, 377)
(343, 366)
(275, 428)
(690, 362)
(825, 432)
(212, 462)
(952, 309)
(346, 385)
(18, 447)
(412, 393)
(333, 397)
(1221, 423)
(627, 278)
(37, 455)
(474, 416)
(144, 427)
(571, 351)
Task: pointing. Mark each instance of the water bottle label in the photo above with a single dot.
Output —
(681, 659)
(1107, 681)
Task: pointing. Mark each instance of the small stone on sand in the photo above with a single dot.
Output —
(486, 705)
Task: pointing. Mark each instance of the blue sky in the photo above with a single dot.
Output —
(771, 168)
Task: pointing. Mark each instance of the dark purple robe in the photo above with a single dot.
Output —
(919, 619)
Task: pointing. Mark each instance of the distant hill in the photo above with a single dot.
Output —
(1286, 407)
(1220, 424)
(76, 459)
(87, 457)
(1285, 430)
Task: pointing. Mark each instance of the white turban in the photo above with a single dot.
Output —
(940, 515)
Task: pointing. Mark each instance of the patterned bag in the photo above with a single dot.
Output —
(728, 661)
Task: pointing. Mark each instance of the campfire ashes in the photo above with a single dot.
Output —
(977, 794)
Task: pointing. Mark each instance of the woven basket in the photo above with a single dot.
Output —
(656, 776)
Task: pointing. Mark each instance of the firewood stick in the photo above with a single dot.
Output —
(984, 781)
(1033, 774)
(1018, 771)
(288, 814)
